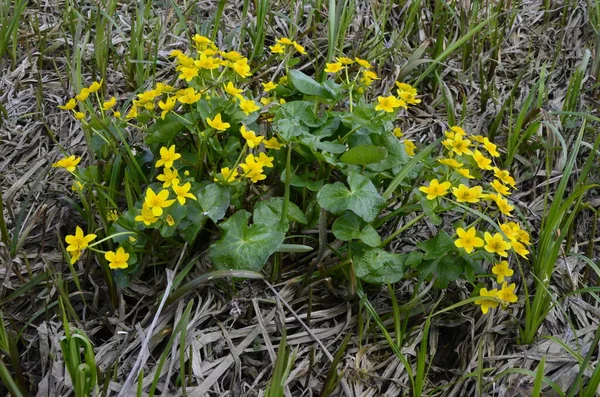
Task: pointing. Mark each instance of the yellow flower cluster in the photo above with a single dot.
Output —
(283, 44)
(466, 158)
(155, 203)
(82, 96)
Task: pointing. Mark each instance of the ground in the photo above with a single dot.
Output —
(233, 335)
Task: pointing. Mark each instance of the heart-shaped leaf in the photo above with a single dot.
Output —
(244, 247)
(350, 227)
(362, 198)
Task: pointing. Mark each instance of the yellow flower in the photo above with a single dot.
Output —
(167, 157)
(504, 176)
(253, 169)
(146, 216)
(485, 303)
(283, 80)
(334, 67)
(265, 160)
(68, 163)
(270, 86)
(435, 189)
(112, 215)
(234, 92)
(389, 103)
(79, 115)
(227, 175)
(149, 106)
(482, 162)
(369, 76)
(202, 41)
(248, 106)
(490, 147)
(188, 96)
(83, 94)
(241, 67)
(169, 177)
(217, 123)
(232, 56)
(164, 88)
(95, 86)
(251, 137)
(206, 62)
(182, 192)
(468, 240)
(406, 88)
(148, 96)
(520, 249)
(496, 244)
(398, 132)
(273, 143)
(156, 202)
(285, 41)
(188, 73)
(167, 106)
(460, 146)
(510, 231)
(69, 105)
(265, 100)
(507, 293)
(345, 61)
(184, 60)
(500, 188)
(363, 63)
(277, 49)
(117, 114)
(109, 104)
(410, 147)
(523, 236)
(465, 194)
(503, 205)
(299, 48)
(77, 186)
(133, 113)
(74, 256)
(79, 241)
(117, 260)
(450, 163)
(170, 220)
(465, 173)
(502, 270)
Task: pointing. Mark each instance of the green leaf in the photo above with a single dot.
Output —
(244, 247)
(308, 86)
(428, 209)
(212, 203)
(364, 154)
(268, 213)
(289, 127)
(350, 227)
(441, 259)
(439, 246)
(362, 198)
(177, 212)
(446, 269)
(375, 265)
(165, 130)
(396, 154)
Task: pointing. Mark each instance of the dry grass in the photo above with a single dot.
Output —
(233, 336)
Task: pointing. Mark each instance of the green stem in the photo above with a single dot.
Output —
(286, 194)
(402, 229)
